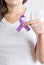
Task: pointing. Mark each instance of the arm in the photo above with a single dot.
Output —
(38, 27)
(40, 48)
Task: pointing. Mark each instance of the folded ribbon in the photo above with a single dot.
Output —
(22, 20)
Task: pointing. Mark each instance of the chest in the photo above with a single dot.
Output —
(12, 37)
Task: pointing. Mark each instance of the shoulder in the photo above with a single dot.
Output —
(1, 24)
(32, 14)
(37, 14)
(41, 17)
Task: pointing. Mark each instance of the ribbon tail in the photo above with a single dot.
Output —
(19, 28)
(27, 28)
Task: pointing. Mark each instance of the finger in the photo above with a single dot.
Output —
(35, 25)
(30, 22)
(24, 24)
(37, 30)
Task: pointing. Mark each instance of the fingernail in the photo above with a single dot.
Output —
(23, 25)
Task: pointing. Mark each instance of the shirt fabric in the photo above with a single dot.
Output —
(17, 48)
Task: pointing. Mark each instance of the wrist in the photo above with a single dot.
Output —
(40, 39)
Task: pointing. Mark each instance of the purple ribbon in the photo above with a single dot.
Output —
(20, 26)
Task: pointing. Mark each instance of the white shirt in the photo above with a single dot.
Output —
(17, 48)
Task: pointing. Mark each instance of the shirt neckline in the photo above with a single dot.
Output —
(8, 23)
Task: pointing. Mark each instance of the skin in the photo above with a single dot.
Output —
(38, 27)
(15, 10)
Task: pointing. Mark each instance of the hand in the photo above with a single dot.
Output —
(36, 25)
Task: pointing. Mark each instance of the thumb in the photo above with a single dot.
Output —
(26, 23)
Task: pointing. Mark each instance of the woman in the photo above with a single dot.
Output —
(14, 45)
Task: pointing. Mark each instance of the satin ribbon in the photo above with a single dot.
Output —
(22, 20)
